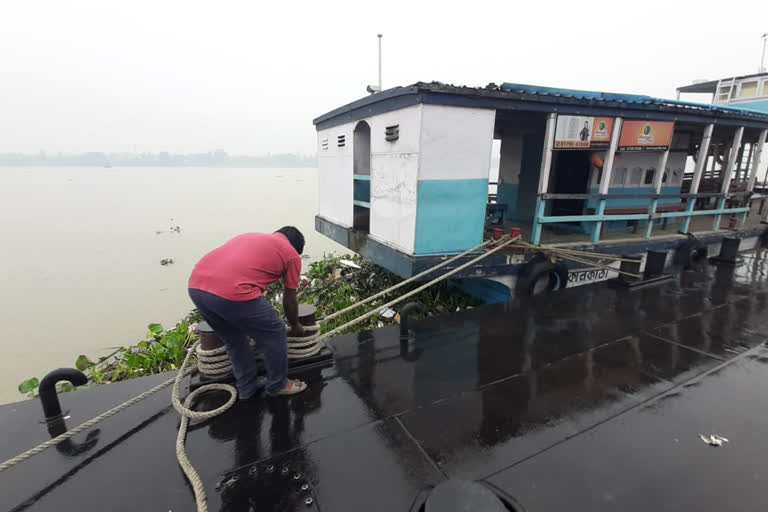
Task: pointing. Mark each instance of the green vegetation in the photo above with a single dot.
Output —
(331, 284)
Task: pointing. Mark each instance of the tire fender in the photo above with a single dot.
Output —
(537, 268)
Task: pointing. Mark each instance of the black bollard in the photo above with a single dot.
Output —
(48, 396)
(729, 252)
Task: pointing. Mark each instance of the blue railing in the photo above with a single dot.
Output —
(540, 219)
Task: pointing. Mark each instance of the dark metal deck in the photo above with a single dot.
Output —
(591, 399)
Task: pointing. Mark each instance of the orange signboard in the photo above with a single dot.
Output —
(601, 131)
(645, 135)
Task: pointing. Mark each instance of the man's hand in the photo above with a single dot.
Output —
(296, 331)
(291, 309)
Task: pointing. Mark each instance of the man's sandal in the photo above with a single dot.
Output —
(296, 386)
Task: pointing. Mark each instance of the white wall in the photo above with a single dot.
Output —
(645, 160)
(334, 170)
(394, 171)
(456, 143)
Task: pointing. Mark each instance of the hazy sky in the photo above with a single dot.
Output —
(249, 77)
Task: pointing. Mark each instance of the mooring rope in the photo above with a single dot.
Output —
(216, 363)
(298, 347)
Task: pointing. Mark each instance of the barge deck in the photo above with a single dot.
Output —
(590, 399)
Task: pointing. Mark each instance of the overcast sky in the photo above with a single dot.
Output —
(249, 77)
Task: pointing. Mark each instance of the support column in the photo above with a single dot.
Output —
(661, 168)
(726, 174)
(546, 165)
(605, 180)
(757, 154)
(701, 161)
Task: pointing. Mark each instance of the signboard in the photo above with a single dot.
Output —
(645, 135)
(582, 132)
(579, 277)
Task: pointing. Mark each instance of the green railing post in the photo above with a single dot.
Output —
(718, 217)
(598, 226)
(651, 211)
(536, 232)
(688, 209)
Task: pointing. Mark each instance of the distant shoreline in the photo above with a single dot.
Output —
(231, 166)
(217, 158)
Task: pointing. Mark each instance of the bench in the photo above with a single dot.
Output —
(661, 208)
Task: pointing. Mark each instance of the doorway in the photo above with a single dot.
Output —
(361, 151)
(570, 176)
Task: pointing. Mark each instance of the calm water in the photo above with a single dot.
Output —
(81, 249)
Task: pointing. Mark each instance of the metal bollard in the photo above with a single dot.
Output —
(209, 340)
(48, 396)
(408, 309)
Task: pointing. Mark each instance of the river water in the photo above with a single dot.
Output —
(81, 250)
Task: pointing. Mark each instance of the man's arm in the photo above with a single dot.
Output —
(291, 309)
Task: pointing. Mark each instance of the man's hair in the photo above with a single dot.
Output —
(294, 236)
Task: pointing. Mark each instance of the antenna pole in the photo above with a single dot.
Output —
(380, 59)
(762, 58)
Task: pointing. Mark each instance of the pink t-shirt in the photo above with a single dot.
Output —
(242, 268)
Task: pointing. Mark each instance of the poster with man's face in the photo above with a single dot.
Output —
(581, 132)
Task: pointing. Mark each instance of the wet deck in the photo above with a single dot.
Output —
(592, 400)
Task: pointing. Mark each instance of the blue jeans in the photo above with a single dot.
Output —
(235, 322)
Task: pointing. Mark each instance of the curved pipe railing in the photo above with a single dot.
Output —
(48, 396)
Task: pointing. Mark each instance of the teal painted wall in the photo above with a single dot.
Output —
(507, 194)
(761, 106)
(450, 215)
(530, 168)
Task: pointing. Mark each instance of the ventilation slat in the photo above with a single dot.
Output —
(392, 133)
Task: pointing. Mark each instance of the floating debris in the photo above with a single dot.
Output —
(713, 439)
(166, 261)
(388, 313)
(349, 263)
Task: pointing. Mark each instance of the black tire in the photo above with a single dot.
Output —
(692, 254)
(540, 276)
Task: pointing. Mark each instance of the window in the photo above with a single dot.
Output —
(341, 141)
(636, 177)
(619, 177)
(392, 133)
(324, 144)
(748, 90)
(666, 174)
(649, 174)
(723, 92)
(764, 88)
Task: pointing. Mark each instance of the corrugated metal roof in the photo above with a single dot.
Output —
(637, 99)
(542, 99)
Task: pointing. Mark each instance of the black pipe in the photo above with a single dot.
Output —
(408, 309)
(48, 396)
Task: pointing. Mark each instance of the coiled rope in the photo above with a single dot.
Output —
(307, 346)
(216, 363)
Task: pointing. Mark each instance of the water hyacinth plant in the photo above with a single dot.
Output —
(331, 284)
